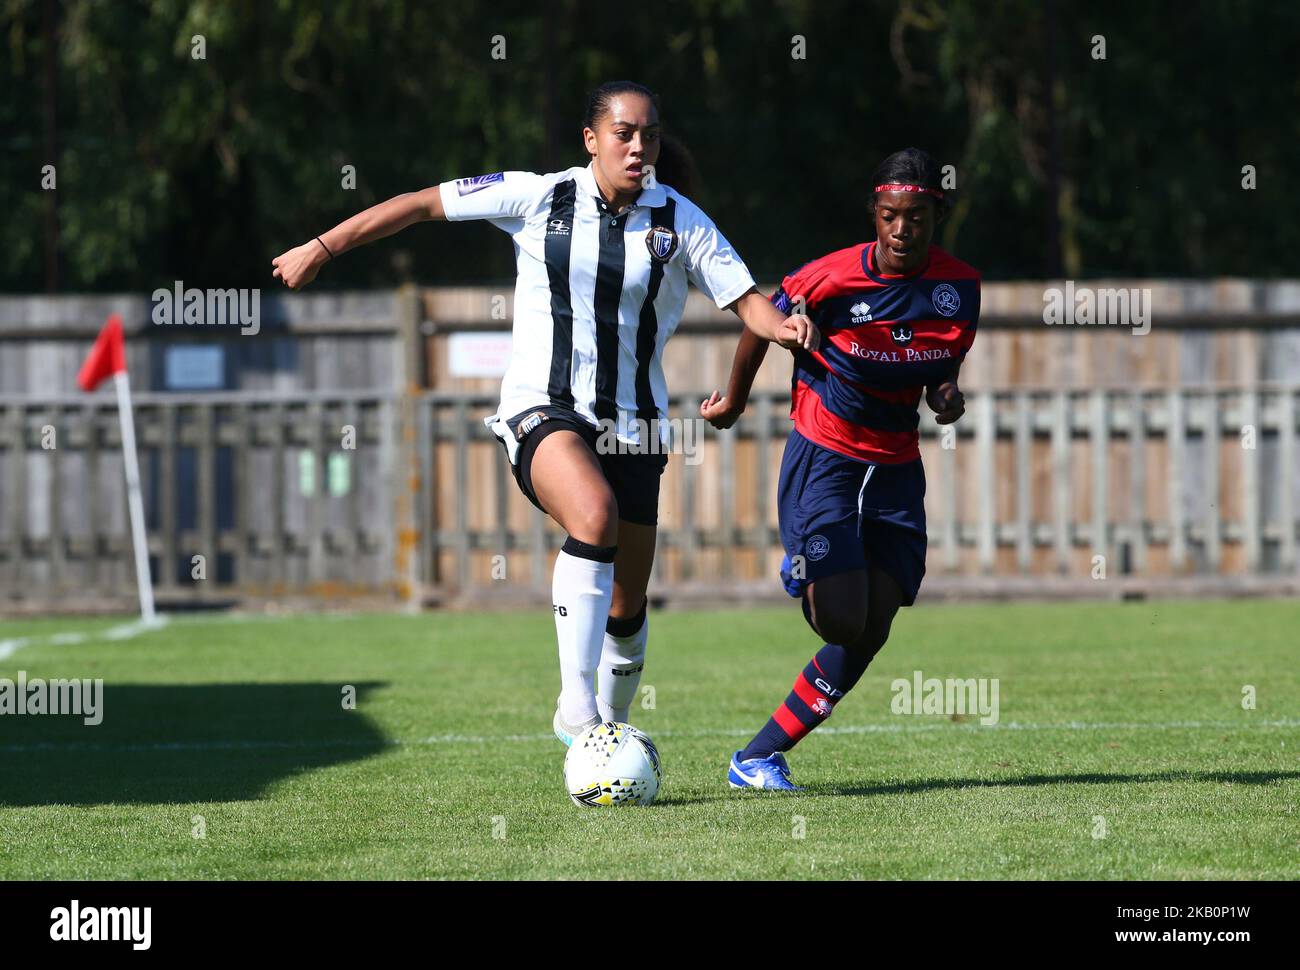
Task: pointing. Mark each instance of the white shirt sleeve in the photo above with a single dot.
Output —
(501, 195)
(711, 264)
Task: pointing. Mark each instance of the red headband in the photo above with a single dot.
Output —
(909, 188)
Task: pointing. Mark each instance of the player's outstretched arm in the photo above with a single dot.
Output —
(723, 411)
(766, 321)
(764, 324)
(299, 266)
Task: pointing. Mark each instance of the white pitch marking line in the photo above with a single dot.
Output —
(123, 631)
(128, 631)
(438, 739)
(13, 645)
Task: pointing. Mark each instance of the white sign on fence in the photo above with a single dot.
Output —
(478, 354)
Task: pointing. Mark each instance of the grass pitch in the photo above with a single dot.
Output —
(1122, 751)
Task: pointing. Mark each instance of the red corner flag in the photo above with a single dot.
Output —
(106, 358)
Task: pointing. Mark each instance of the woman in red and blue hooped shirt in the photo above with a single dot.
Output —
(897, 317)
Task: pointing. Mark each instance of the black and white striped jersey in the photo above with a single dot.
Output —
(597, 293)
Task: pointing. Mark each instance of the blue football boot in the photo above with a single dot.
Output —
(769, 772)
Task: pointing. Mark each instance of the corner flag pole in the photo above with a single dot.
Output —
(134, 503)
(108, 358)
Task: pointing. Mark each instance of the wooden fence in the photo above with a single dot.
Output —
(1032, 482)
(277, 493)
(1170, 456)
(295, 494)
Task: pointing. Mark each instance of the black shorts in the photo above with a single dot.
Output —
(634, 478)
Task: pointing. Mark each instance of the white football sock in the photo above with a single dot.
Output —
(621, 662)
(581, 590)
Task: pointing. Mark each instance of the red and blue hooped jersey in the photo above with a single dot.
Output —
(884, 340)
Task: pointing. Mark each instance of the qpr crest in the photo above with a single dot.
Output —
(818, 546)
(945, 299)
(662, 243)
(902, 334)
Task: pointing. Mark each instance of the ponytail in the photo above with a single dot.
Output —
(676, 167)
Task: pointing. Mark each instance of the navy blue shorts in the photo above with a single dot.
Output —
(840, 515)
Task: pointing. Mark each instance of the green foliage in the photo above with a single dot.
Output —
(173, 167)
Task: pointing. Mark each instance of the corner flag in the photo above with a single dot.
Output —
(107, 358)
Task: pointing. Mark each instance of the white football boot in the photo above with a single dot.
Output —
(567, 732)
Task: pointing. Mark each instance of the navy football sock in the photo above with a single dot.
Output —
(832, 673)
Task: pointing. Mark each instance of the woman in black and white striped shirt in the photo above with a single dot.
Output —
(604, 254)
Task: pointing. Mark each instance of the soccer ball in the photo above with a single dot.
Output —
(612, 764)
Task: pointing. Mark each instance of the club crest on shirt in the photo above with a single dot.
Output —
(662, 243)
(902, 334)
(945, 299)
(472, 185)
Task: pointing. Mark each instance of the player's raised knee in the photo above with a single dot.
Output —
(874, 634)
(596, 523)
(839, 607)
(839, 622)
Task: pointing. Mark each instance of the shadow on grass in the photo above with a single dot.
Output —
(1091, 778)
(163, 743)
